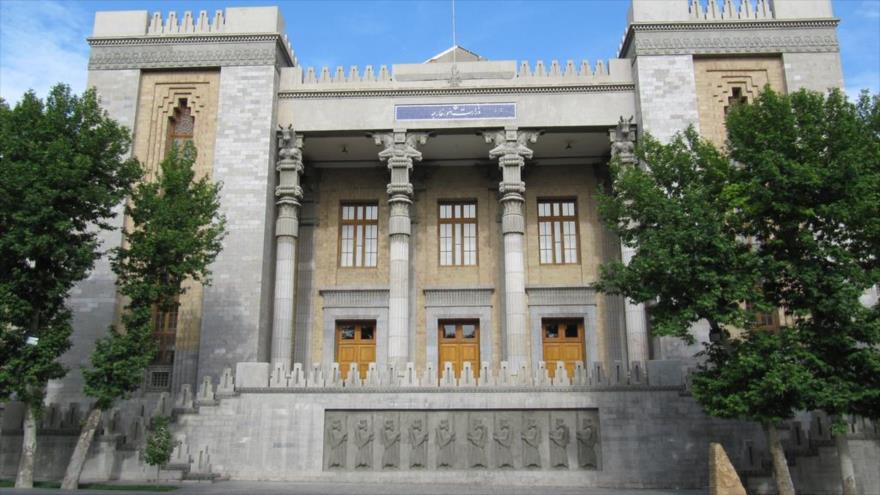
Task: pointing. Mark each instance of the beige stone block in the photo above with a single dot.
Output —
(723, 479)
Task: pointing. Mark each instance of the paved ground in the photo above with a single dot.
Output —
(279, 488)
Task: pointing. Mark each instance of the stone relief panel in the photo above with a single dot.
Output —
(462, 440)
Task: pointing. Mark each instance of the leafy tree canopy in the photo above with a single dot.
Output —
(177, 232)
(63, 168)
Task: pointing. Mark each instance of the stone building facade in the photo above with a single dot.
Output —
(406, 289)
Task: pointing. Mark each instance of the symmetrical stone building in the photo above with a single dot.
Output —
(406, 289)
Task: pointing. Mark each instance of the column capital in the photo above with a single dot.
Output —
(623, 138)
(288, 192)
(289, 165)
(510, 144)
(400, 148)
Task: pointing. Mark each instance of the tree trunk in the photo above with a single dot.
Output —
(847, 472)
(784, 486)
(75, 466)
(25, 476)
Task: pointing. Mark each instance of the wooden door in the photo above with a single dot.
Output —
(563, 341)
(355, 343)
(459, 343)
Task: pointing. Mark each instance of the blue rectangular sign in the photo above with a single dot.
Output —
(461, 111)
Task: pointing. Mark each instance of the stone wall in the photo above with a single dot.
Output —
(237, 305)
(93, 300)
(666, 94)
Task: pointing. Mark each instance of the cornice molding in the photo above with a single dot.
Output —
(697, 37)
(452, 91)
(151, 52)
(178, 39)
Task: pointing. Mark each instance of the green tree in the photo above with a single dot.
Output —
(177, 232)
(159, 443)
(808, 193)
(692, 265)
(788, 218)
(63, 167)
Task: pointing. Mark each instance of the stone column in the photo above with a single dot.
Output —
(289, 194)
(622, 140)
(511, 151)
(399, 151)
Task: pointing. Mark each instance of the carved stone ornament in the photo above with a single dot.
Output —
(531, 438)
(391, 445)
(399, 151)
(477, 438)
(503, 441)
(560, 437)
(363, 439)
(587, 440)
(336, 438)
(418, 445)
(445, 438)
(623, 139)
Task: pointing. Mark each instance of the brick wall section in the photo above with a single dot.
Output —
(666, 94)
(237, 306)
(717, 76)
(93, 300)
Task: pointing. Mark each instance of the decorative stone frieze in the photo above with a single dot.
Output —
(187, 52)
(751, 37)
(354, 298)
(561, 296)
(530, 439)
(458, 297)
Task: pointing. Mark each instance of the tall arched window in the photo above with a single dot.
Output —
(181, 125)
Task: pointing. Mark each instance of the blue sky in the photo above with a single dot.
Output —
(43, 42)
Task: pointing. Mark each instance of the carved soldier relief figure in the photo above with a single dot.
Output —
(363, 438)
(445, 438)
(337, 438)
(418, 441)
(531, 438)
(587, 439)
(477, 437)
(391, 443)
(503, 440)
(560, 437)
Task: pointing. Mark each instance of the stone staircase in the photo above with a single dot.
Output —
(811, 454)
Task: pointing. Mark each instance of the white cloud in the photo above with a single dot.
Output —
(41, 44)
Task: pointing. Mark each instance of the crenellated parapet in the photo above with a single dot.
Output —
(727, 10)
(238, 36)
